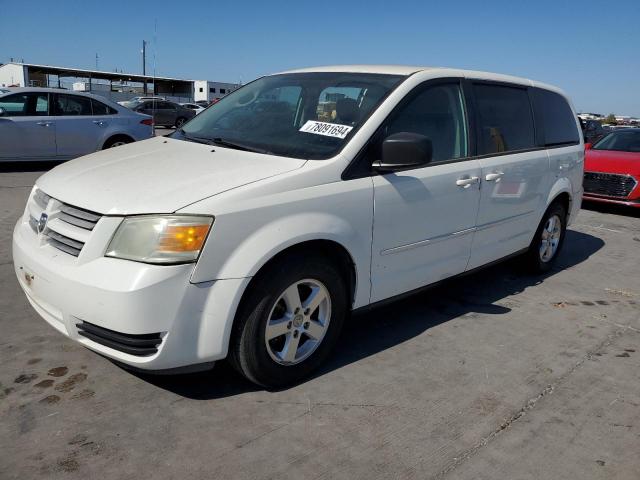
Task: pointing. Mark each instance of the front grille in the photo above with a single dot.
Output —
(608, 184)
(66, 244)
(67, 228)
(78, 217)
(140, 345)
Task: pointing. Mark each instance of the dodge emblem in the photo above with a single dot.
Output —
(42, 223)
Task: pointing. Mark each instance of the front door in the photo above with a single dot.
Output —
(424, 218)
(26, 130)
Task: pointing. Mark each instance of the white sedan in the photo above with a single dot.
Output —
(194, 106)
(51, 124)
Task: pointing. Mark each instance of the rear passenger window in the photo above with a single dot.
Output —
(506, 120)
(555, 115)
(100, 108)
(67, 105)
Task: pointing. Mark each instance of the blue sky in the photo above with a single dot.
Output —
(589, 48)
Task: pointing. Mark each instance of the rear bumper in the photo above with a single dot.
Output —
(135, 301)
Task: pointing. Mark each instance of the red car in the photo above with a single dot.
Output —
(612, 168)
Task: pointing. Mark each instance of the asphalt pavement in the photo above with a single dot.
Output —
(497, 375)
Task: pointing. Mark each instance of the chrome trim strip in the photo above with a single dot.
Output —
(484, 226)
(409, 246)
(421, 243)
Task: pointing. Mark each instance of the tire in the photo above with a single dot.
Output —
(271, 363)
(548, 240)
(180, 121)
(116, 142)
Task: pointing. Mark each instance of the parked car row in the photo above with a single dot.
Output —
(51, 124)
(164, 112)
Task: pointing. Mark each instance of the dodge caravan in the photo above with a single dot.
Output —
(254, 230)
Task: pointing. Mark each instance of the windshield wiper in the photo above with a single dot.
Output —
(238, 146)
(189, 138)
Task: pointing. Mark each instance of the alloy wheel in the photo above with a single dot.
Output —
(550, 238)
(298, 322)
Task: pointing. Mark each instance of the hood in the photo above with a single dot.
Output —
(610, 161)
(159, 175)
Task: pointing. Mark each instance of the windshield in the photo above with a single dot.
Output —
(302, 115)
(622, 141)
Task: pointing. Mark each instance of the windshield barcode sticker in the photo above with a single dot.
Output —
(326, 129)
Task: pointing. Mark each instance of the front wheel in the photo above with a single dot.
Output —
(289, 321)
(548, 240)
(180, 122)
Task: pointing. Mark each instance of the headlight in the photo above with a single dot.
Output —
(164, 239)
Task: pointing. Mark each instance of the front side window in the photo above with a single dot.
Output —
(68, 105)
(506, 120)
(301, 115)
(554, 113)
(622, 141)
(437, 113)
(25, 104)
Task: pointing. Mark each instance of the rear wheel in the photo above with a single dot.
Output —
(180, 121)
(289, 321)
(116, 142)
(548, 240)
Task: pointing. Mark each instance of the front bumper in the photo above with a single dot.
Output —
(627, 202)
(194, 320)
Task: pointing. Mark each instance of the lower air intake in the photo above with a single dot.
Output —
(142, 345)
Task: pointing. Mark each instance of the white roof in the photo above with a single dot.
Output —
(388, 69)
(438, 71)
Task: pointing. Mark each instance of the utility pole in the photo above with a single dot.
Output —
(144, 64)
(96, 61)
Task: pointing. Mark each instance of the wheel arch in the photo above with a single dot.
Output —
(330, 249)
(115, 136)
(561, 191)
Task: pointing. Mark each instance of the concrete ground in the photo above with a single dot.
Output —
(497, 375)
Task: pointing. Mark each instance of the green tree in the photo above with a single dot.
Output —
(611, 118)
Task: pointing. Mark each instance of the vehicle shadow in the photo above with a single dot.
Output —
(611, 209)
(385, 327)
(6, 167)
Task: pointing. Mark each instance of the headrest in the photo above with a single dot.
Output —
(347, 110)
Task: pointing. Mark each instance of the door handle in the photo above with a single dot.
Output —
(494, 176)
(467, 182)
(44, 124)
(99, 122)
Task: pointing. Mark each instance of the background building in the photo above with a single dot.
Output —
(117, 86)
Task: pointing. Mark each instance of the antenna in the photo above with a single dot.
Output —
(96, 61)
(144, 64)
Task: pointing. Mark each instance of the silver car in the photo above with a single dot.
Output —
(52, 124)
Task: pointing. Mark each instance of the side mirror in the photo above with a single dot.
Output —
(587, 146)
(2, 112)
(404, 150)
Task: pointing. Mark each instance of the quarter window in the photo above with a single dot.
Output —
(506, 121)
(437, 113)
(100, 108)
(555, 115)
(68, 105)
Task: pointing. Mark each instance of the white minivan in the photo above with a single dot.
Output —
(253, 231)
